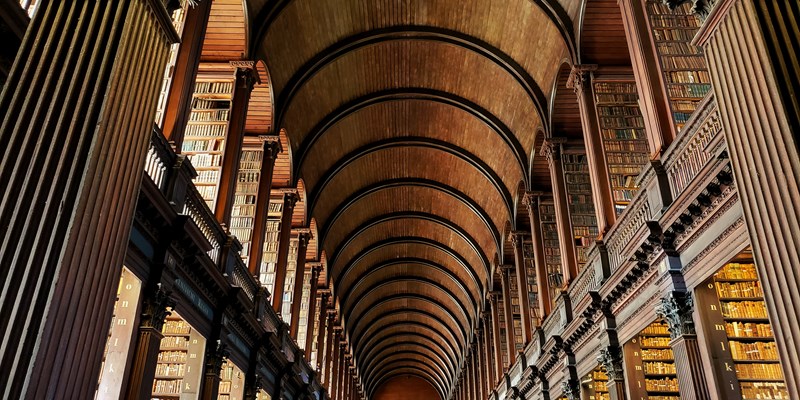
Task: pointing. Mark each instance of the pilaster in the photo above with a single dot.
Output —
(290, 198)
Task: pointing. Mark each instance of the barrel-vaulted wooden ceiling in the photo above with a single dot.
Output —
(413, 125)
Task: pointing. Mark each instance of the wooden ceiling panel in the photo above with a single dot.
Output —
(226, 34)
(259, 110)
(603, 39)
(407, 119)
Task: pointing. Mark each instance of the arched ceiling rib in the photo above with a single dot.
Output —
(413, 125)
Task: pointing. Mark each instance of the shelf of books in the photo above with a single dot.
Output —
(231, 382)
(552, 253)
(204, 138)
(178, 19)
(740, 332)
(581, 205)
(683, 65)
(315, 334)
(288, 287)
(652, 364)
(595, 385)
(180, 361)
(243, 211)
(120, 338)
(515, 310)
(302, 329)
(533, 288)
(272, 234)
(624, 138)
(501, 321)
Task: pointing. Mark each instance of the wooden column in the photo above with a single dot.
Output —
(517, 241)
(312, 310)
(649, 81)
(143, 366)
(77, 114)
(531, 201)
(489, 366)
(494, 297)
(179, 97)
(580, 81)
(611, 359)
(676, 310)
(566, 240)
(470, 379)
(336, 351)
(323, 313)
(215, 357)
(271, 149)
(751, 48)
(246, 77)
(329, 349)
(299, 279)
(511, 345)
(290, 198)
(480, 362)
(340, 351)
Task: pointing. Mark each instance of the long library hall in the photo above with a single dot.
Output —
(400, 200)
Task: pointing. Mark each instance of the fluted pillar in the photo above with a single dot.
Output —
(611, 359)
(299, 279)
(531, 201)
(751, 49)
(580, 80)
(552, 150)
(312, 309)
(290, 198)
(270, 150)
(246, 77)
(77, 114)
(145, 352)
(511, 345)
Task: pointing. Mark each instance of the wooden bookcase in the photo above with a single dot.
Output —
(650, 364)
(243, 211)
(624, 138)
(269, 257)
(231, 382)
(595, 385)
(581, 204)
(302, 328)
(204, 139)
(683, 65)
(178, 19)
(532, 285)
(552, 252)
(288, 287)
(739, 333)
(180, 360)
(501, 321)
(315, 334)
(515, 310)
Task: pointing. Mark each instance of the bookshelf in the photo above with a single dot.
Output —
(178, 19)
(302, 329)
(180, 360)
(624, 139)
(120, 338)
(315, 334)
(741, 334)
(533, 288)
(501, 321)
(595, 385)
(204, 138)
(682, 64)
(231, 382)
(552, 253)
(243, 212)
(516, 311)
(652, 367)
(581, 204)
(288, 287)
(272, 233)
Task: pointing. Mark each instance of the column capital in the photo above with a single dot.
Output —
(700, 7)
(505, 269)
(290, 198)
(246, 73)
(517, 237)
(578, 76)
(303, 235)
(611, 359)
(676, 309)
(531, 198)
(155, 308)
(493, 295)
(571, 389)
(551, 148)
(215, 356)
(272, 145)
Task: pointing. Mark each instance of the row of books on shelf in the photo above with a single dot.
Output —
(611, 98)
(581, 177)
(178, 327)
(174, 341)
(698, 90)
(584, 225)
(622, 134)
(629, 109)
(743, 309)
(275, 207)
(207, 192)
(628, 121)
(737, 271)
(688, 77)
(204, 160)
(657, 354)
(659, 367)
(764, 391)
(754, 350)
(656, 329)
(581, 204)
(208, 176)
(169, 386)
(626, 171)
(680, 55)
(686, 107)
(203, 146)
(579, 187)
(209, 115)
(662, 397)
(635, 145)
(175, 356)
(172, 369)
(616, 88)
(655, 341)
(213, 87)
(673, 35)
(673, 21)
(661, 385)
(759, 371)
(208, 130)
(243, 208)
(244, 234)
(241, 222)
(205, 104)
(748, 329)
(627, 158)
(739, 289)
(623, 181)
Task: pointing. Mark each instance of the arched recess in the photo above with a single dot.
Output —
(410, 357)
(389, 369)
(404, 373)
(401, 341)
(227, 33)
(405, 387)
(283, 173)
(300, 213)
(259, 119)
(392, 329)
